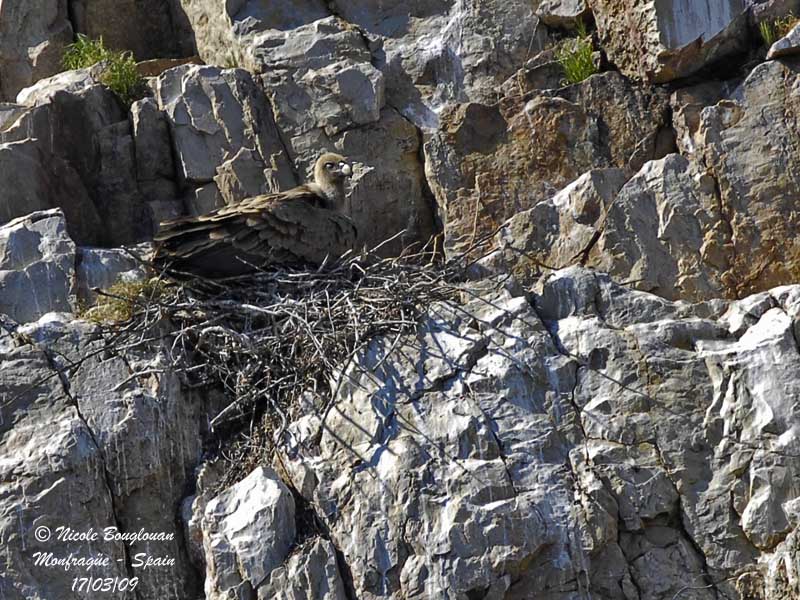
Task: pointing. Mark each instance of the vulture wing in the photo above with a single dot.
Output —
(289, 227)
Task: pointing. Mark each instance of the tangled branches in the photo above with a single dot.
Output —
(281, 337)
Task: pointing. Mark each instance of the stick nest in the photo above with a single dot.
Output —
(277, 341)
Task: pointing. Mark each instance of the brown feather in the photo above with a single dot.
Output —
(293, 226)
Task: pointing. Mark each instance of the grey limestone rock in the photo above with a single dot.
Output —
(87, 446)
(224, 28)
(563, 13)
(103, 267)
(311, 573)
(489, 162)
(661, 230)
(242, 176)
(431, 52)
(663, 41)
(37, 266)
(715, 221)
(155, 168)
(319, 76)
(80, 126)
(436, 52)
(787, 45)
(212, 114)
(597, 424)
(33, 35)
(247, 532)
(33, 180)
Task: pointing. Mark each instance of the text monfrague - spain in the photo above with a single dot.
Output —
(94, 568)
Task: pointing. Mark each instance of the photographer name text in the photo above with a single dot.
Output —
(112, 534)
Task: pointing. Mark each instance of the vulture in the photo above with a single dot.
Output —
(303, 225)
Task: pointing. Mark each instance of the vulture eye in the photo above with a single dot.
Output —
(329, 165)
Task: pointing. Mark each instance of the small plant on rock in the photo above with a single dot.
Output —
(768, 33)
(119, 70)
(772, 31)
(122, 77)
(84, 53)
(122, 300)
(575, 56)
(233, 60)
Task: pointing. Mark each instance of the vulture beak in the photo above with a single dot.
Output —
(345, 169)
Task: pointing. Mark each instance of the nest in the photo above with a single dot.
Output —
(279, 341)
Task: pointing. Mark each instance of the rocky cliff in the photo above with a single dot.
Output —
(606, 406)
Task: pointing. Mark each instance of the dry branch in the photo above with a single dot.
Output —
(279, 335)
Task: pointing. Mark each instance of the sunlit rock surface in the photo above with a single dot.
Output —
(611, 409)
(489, 162)
(37, 266)
(87, 446)
(564, 444)
(247, 532)
(663, 40)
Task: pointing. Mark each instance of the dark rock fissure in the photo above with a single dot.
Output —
(107, 477)
(681, 523)
(72, 17)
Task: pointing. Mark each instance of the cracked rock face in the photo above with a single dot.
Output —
(37, 266)
(223, 28)
(42, 271)
(748, 144)
(662, 230)
(33, 35)
(212, 114)
(311, 572)
(435, 53)
(716, 221)
(490, 162)
(247, 533)
(592, 439)
(660, 41)
(33, 179)
(81, 134)
(588, 437)
(431, 52)
(87, 447)
(319, 76)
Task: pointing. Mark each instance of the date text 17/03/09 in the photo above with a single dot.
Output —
(104, 584)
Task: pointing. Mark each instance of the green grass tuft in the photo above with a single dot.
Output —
(119, 73)
(84, 53)
(575, 57)
(768, 33)
(122, 77)
(772, 31)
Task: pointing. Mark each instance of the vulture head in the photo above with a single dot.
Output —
(329, 174)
